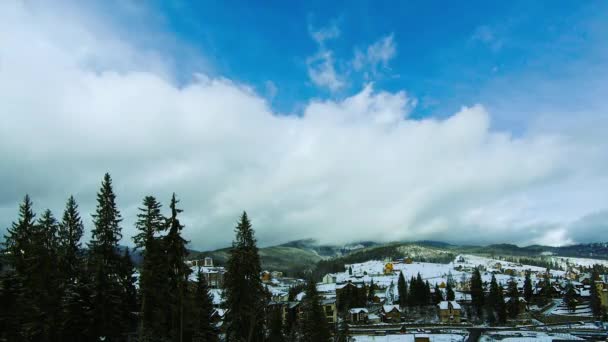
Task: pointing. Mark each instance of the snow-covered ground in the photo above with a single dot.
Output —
(523, 336)
(410, 338)
(563, 261)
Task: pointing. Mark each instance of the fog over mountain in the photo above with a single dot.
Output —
(79, 99)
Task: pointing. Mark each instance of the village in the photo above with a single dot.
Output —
(364, 299)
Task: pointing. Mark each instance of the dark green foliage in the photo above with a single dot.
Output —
(437, 296)
(570, 297)
(313, 327)
(245, 299)
(276, 325)
(449, 292)
(204, 329)
(528, 292)
(104, 264)
(371, 291)
(350, 297)
(19, 238)
(70, 232)
(477, 295)
(513, 294)
(178, 272)
(596, 303)
(11, 301)
(402, 289)
(495, 303)
(77, 309)
(153, 281)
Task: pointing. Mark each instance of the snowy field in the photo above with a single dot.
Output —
(563, 261)
(523, 336)
(410, 338)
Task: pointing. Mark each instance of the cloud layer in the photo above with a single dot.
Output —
(77, 101)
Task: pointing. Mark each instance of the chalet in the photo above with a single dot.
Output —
(449, 311)
(329, 278)
(390, 313)
(388, 268)
(265, 276)
(408, 260)
(357, 315)
(330, 310)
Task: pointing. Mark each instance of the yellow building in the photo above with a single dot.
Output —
(388, 268)
(449, 312)
(602, 290)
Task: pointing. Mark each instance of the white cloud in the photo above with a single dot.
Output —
(321, 65)
(376, 56)
(357, 168)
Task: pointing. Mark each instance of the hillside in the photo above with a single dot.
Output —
(296, 256)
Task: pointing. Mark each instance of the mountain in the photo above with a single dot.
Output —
(300, 255)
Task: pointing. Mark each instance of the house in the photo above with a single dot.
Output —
(214, 276)
(408, 260)
(265, 276)
(276, 274)
(373, 318)
(449, 311)
(329, 278)
(602, 290)
(388, 268)
(390, 313)
(330, 310)
(357, 315)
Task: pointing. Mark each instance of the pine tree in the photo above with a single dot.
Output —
(438, 296)
(178, 271)
(414, 293)
(450, 295)
(372, 290)
(492, 300)
(596, 303)
(77, 310)
(501, 308)
(427, 293)
(570, 297)
(204, 329)
(314, 327)
(402, 290)
(243, 287)
(128, 291)
(104, 263)
(477, 295)
(513, 293)
(153, 283)
(528, 287)
(276, 326)
(70, 232)
(18, 240)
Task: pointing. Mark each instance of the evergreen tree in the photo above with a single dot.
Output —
(204, 329)
(450, 295)
(276, 326)
(501, 308)
(477, 295)
(314, 326)
(77, 310)
(18, 240)
(128, 291)
(513, 294)
(153, 282)
(570, 297)
(414, 292)
(243, 287)
(350, 271)
(528, 287)
(372, 290)
(402, 290)
(496, 303)
(427, 293)
(178, 272)
(596, 303)
(104, 263)
(438, 296)
(70, 232)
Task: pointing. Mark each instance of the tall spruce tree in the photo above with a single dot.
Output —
(314, 326)
(595, 301)
(104, 264)
(18, 240)
(372, 291)
(153, 281)
(528, 287)
(570, 297)
(437, 296)
(449, 292)
(513, 294)
(204, 328)
(477, 295)
(70, 232)
(178, 271)
(276, 325)
(243, 288)
(402, 290)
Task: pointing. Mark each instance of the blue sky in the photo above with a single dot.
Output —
(472, 122)
(448, 54)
